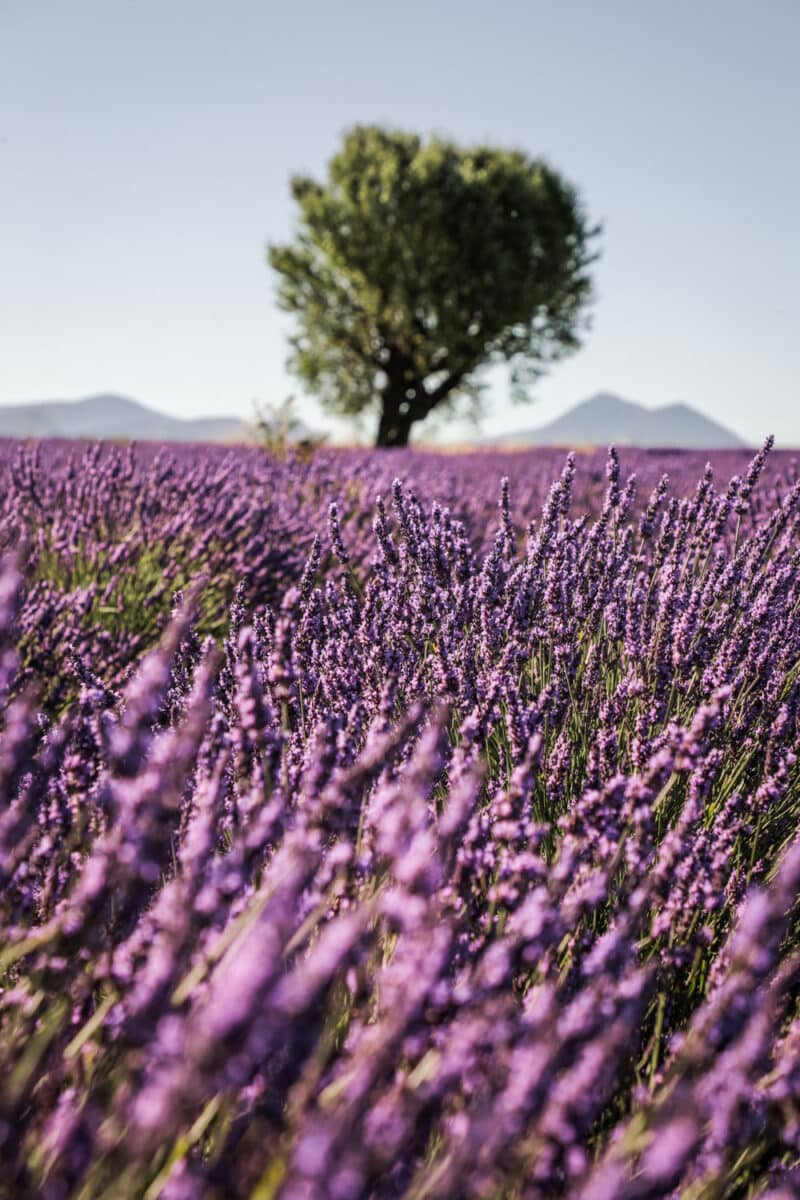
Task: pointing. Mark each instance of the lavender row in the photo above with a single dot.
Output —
(109, 533)
(445, 844)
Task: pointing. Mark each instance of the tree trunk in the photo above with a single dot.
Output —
(396, 420)
(406, 400)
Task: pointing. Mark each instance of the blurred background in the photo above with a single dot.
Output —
(146, 148)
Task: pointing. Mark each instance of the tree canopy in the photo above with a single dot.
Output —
(417, 263)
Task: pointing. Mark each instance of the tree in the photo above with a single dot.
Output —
(419, 263)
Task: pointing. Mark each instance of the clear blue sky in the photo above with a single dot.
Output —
(146, 147)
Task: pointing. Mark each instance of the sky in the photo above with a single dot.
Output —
(146, 148)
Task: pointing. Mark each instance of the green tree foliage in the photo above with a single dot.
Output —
(418, 263)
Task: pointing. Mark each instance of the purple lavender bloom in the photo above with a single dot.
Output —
(452, 863)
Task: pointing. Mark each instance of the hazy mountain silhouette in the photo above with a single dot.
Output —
(606, 418)
(111, 416)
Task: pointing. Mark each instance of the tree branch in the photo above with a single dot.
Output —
(445, 388)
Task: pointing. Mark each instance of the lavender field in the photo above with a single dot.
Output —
(398, 825)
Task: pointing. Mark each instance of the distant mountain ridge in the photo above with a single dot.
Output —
(601, 419)
(606, 418)
(111, 416)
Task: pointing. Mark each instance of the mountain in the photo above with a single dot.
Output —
(111, 416)
(606, 418)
